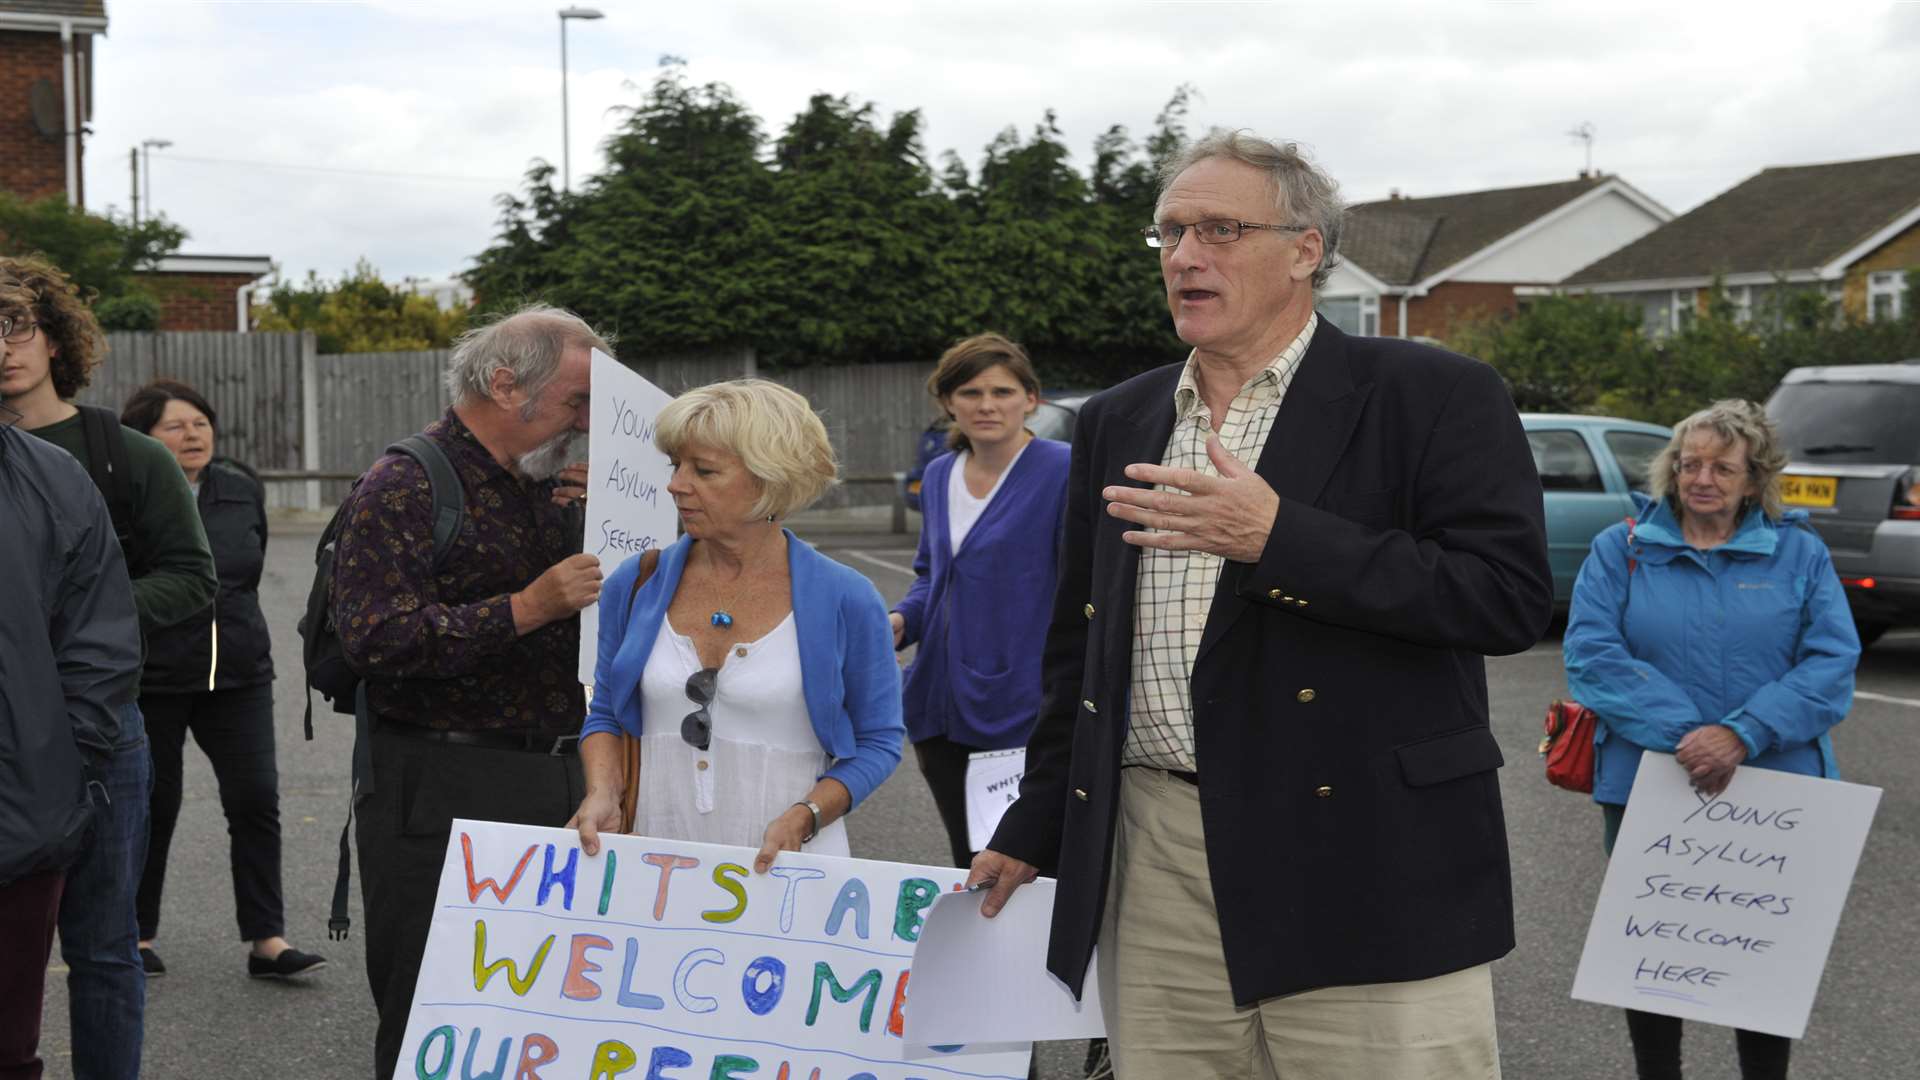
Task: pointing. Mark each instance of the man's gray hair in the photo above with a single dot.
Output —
(1302, 193)
(528, 343)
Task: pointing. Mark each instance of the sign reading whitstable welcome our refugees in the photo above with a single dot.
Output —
(628, 509)
(665, 960)
(1723, 908)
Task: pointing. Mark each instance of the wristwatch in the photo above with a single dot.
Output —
(814, 809)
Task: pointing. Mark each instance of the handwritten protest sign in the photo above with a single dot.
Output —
(672, 960)
(993, 783)
(628, 510)
(1723, 909)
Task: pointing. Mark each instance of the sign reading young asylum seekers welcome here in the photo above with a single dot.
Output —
(1723, 908)
(628, 509)
(667, 960)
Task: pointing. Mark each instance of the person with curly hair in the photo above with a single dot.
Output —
(51, 346)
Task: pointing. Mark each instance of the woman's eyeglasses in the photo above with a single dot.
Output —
(697, 728)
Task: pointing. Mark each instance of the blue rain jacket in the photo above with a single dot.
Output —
(1754, 634)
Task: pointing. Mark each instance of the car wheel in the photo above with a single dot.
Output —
(1869, 632)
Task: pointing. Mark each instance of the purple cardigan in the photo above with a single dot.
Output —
(980, 615)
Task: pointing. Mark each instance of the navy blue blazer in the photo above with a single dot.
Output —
(980, 614)
(1354, 830)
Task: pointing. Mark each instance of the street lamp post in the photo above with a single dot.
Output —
(146, 170)
(566, 149)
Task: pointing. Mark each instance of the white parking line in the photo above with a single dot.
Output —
(893, 566)
(1887, 698)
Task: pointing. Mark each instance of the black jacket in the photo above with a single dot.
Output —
(1347, 770)
(69, 651)
(233, 508)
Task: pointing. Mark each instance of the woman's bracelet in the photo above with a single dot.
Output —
(814, 809)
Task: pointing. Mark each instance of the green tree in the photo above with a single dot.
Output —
(359, 313)
(102, 254)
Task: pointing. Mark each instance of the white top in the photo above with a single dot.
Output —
(963, 510)
(763, 757)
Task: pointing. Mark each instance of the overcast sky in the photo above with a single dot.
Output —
(281, 112)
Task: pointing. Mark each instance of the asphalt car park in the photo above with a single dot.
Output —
(206, 1020)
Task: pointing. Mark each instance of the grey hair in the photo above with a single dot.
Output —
(1729, 419)
(1302, 192)
(528, 343)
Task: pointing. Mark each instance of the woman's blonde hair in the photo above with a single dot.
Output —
(773, 431)
(1730, 419)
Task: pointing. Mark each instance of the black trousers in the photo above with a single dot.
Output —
(403, 827)
(235, 729)
(1656, 1036)
(944, 763)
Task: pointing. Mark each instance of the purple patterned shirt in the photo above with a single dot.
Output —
(438, 648)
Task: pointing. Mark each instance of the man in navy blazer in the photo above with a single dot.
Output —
(1263, 771)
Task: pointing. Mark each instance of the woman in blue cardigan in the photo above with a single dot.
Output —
(983, 593)
(753, 670)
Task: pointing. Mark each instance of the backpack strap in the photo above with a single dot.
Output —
(107, 464)
(449, 494)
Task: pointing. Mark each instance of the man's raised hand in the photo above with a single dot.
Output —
(1229, 515)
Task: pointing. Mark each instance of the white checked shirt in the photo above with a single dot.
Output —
(1174, 591)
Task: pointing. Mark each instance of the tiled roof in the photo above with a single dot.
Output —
(1401, 241)
(78, 9)
(1792, 218)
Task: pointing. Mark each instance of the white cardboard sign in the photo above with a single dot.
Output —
(1723, 909)
(975, 977)
(668, 959)
(993, 783)
(628, 510)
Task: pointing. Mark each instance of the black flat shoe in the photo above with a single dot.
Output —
(291, 963)
(151, 963)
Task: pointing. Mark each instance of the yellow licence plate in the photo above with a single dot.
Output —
(1809, 490)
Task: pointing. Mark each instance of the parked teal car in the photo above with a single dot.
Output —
(1587, 464)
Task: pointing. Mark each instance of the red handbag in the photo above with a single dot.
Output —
(1568, 746)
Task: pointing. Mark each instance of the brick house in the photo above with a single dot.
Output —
(46, 93)
(46, 100)
(1848, 229)
(1412, 266)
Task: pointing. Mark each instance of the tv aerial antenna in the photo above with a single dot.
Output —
(1584, 132)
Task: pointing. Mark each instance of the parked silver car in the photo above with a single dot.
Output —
(1852, 436)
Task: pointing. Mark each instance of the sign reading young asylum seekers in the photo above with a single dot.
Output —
(628, 509)
(1723, 908)
(665, 960)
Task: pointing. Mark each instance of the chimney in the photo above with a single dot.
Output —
(1393, 193)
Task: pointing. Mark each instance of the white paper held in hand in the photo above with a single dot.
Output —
(993, 783)
(628, 509)
(980, 980)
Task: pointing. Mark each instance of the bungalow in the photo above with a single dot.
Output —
(1411, 266)
(1847, 229)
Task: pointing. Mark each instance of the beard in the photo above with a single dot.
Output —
(545, 461)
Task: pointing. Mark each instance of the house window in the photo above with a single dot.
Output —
(1742, 298)
(1886, 296)
(1345, 313)
(1370, 316)
(1682, 310)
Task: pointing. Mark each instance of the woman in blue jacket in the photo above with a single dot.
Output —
(983, 591)
(1716, 630)
(754, 670)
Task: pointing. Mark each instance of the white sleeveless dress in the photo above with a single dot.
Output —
(763, 757)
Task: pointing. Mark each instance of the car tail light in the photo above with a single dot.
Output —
(1858, 582)
(1906, 496)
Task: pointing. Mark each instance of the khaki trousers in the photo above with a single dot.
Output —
(1170, 1012)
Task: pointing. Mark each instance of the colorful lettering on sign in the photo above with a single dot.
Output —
(869, 983)
(530, 1062)
(610, 1059)
(723, 875)
(606, 881)
(564, 878)
(500, 893)
(690, 1001)
(853, 897)
(576, 985)
(627, 998)
(483, 972)
(666, 1057)
(667, 864)
(793, 876)
(762, 984)
(445, 1037)
(916, 895)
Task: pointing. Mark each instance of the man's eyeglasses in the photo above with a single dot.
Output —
(1721, 470)
(1167, 235)
(697, 728)
(16, 331)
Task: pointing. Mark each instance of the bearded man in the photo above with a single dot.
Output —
(468, 659)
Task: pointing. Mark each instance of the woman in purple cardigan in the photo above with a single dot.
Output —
(978, 609)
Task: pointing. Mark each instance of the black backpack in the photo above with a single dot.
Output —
(326, 662)
(107, 463)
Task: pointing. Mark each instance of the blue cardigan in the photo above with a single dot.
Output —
(980, 615)
(1754, 634)
(847, 670)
